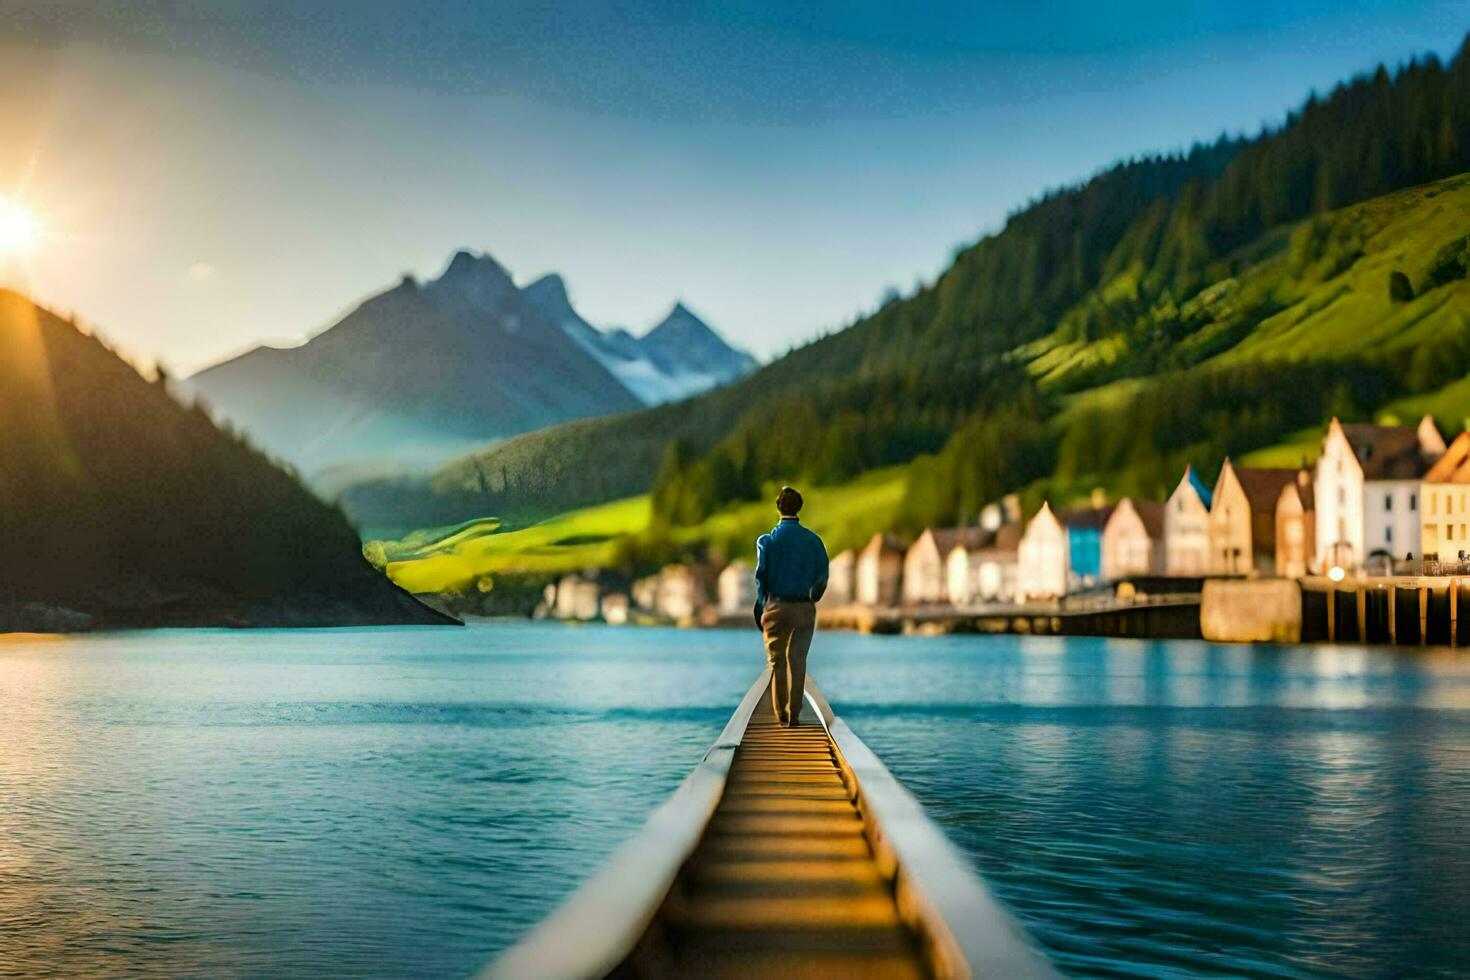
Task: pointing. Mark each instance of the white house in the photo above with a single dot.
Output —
(1187, 528)
(879, 569)
(1133, 540)
(1366, 490)
(736, 588)
(682, 592)
(1044, 563)
(926, 569)
(578, 597)
(1000, 565)
(962, 566)
(615, 608)
(841, 571)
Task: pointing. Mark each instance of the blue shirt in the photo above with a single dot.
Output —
(790, 563)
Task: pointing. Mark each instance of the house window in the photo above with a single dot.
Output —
(1388, 535)
(1433, 504)
(1388, 501)
(1413, 501)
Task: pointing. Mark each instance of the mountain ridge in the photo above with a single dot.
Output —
(1082, 298)
(421, 372)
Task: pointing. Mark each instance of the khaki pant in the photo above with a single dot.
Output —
(788, 629)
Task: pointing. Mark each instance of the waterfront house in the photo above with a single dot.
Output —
(578, 597)
(1133, 540)
(1187, 527)
(1084, 527)
(736, 588)
(879, 571)
(682, 593)
(1445, 496)
(1296, 525)
(1243, 519)
(1044, 565)
(962, 566)
(615, 608)
(1366, 490)
(999, 565)
(840, 574)
(645, 593)
(926, 564)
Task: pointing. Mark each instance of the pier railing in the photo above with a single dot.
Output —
(604, 919)
(962, 931)
(966, 932)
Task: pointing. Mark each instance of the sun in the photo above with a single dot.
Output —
(18, 229)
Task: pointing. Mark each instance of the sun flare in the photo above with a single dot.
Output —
(18, 229)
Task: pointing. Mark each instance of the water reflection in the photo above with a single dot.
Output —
(1177, 809)
(402, 803)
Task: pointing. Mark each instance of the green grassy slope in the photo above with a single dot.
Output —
(593, 537)
(1318, 294)
(1235, 256)
(1170, 310)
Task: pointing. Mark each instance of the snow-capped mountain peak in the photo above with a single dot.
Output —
(680, 357)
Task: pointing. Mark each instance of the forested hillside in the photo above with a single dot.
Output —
(120, 507)
(1108, 331)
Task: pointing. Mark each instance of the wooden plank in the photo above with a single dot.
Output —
(788, 873)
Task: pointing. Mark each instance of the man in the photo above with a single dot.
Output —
(790, 576)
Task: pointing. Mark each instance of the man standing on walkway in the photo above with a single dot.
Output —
(790, 576)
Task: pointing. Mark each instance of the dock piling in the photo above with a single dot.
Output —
(1454, 611)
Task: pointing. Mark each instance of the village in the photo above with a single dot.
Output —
(1382, 503)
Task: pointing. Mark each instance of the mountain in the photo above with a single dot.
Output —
(424, 372)
(680, 357)
(1166, 309)
(121, 507)
(415, 375)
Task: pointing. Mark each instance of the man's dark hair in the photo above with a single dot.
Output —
(788, 502)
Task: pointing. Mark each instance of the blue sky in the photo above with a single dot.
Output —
(213, 174)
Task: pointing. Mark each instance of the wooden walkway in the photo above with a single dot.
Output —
(784, 882)
(785, 853)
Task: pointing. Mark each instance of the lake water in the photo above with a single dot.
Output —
(405, 802)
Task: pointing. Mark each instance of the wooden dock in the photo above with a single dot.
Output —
(786, 853)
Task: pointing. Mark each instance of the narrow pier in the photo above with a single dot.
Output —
(784, 883)
(787, 852)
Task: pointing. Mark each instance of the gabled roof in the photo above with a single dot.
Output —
(1394, 452)
(1263, 486)
(1081, 518)
(879, 543)
(1304, 490)
(1192, 480)
(1007, 538)
(946, 539)
(1151, 512)
(1454, 465)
